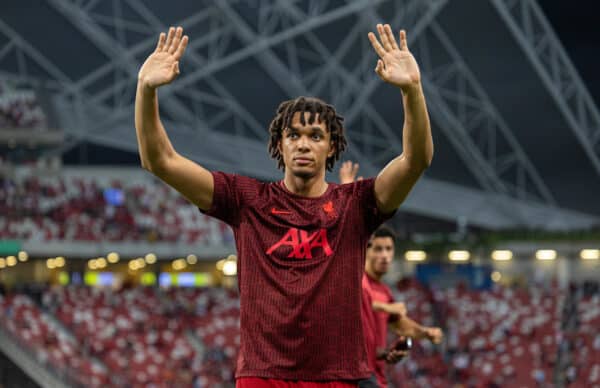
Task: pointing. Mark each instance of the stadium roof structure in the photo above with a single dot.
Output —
(516, 132)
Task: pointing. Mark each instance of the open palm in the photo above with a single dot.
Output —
(396, 65)
(162, 66)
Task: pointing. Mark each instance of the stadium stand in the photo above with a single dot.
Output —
(83, 208)
(505, 336)
(19, 109)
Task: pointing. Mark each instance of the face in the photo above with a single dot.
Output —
(380, 255)
(305, 148)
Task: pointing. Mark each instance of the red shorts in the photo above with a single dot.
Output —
(258, 382)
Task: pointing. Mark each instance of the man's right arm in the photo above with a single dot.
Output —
(407, 327)
(396, 308)
(157, 154)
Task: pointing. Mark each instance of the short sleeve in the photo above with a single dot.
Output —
(365, 192)
(228, 198)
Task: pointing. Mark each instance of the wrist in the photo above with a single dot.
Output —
(411, 89)
(144, 84)
(427, 332)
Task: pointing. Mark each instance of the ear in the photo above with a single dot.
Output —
(331, 149)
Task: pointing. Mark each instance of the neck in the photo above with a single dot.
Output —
(372, 273)
(309, 187)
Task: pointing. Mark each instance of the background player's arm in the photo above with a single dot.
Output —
(398, 67)
(156, 151)
(406, 327)
(397, 308)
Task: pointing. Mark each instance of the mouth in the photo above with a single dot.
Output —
(303, 161)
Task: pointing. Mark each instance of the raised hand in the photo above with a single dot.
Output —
(162, 66)
(396, 65)
(348, 172)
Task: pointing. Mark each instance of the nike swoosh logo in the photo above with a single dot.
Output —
(275, 211)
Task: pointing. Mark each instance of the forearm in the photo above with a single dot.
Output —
(379, 306)
(409, 328)
(153, 143)
(416, 134)
(396, 180)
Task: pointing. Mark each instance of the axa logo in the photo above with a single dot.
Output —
(302, 243)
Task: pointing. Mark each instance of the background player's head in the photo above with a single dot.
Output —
(380, 251)
(307, 136)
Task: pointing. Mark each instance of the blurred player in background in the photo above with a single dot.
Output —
(380, 312)
(301, 241)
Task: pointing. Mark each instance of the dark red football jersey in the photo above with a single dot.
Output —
(375, 323)
(300, 263)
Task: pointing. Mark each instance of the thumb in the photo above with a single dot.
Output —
(176, 68)
(379, 69)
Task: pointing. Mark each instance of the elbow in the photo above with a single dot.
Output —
(429, 156)
(157, 168)
(148, 165)
(421, 164)
(426, 160)
(145, 165)
(159, 164)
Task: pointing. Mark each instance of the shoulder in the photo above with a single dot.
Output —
(237, 181)
(355, 189)
(244, 188)
(367, 282)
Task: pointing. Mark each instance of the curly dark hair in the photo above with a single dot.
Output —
(283, 119)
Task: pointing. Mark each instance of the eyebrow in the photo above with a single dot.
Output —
(314, 129)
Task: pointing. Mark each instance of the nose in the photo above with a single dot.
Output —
(303, 144)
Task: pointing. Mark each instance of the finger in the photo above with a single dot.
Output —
(403, 42)
(175, 43)
(182, 46)
(399, 353)
(384, 39)
(390, 36)
(176, 68)
(161, 42)
(355, 169)
(170, 36)
(376, 45)
(379, 69)
(360, 178)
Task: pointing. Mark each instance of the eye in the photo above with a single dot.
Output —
(316, 137)
(292, 135)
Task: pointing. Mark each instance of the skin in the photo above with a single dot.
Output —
(305, 149)
(396, 66)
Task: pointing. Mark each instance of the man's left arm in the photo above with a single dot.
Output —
(398, 67)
